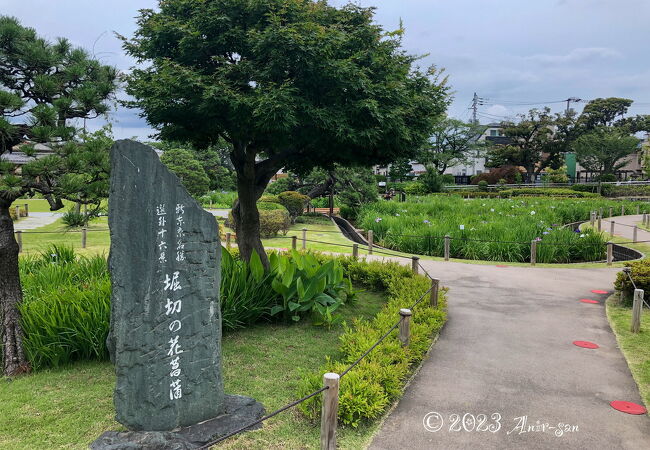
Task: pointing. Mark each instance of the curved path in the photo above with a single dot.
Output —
(36, 220)
(507, 349)
(624, 227)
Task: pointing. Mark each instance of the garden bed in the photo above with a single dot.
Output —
(491, 229)
(70, 405)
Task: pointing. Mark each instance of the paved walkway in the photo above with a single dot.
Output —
(507, 350)
(624, 227)
(36, 220)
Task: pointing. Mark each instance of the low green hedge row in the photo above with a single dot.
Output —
(546, 192)
(368, 389)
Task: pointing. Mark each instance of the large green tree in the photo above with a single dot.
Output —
(452, 142)
(47, 85)
(533, 144)
(605, 149)
(287, 83)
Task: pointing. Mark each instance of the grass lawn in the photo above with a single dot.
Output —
(98, 240)
(72, 406)
(635, 347)
(39, 204)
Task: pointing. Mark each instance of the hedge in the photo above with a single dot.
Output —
(640, 273)
(546, 192)
(368, 390)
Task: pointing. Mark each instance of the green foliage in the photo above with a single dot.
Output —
(307, 286)
(452, 142)
(546, 192)
(558, 175)
(268, 199)
(188, 169)
(66, 308)
(432, 180)
(281, 185)
(415, 188)
(246, 294)
(492, 229)
(640, 273)
(604, 150)
(483, 186)
(219, 200)
(370, 387)
(400, 169)
(272, 221)
(295, 203)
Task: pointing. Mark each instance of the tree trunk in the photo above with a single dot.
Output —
(247, 221)
(13, 356)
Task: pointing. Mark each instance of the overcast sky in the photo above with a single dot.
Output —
(512, 53)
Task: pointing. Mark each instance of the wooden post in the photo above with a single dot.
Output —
(622, 210)
(637, 309)
(533, 252)
(84, 237)
(331, 203)
(634, 233)
(600, 213)
(611, 227)
(294, 242)
(228, 238)
(611, 211)
(610, 253)
(435, 287)
(637, 210)
(447, 242)
(592, 218)
(370, 241)
(599, 223)
(405, 326)
(329, 412)
(304, 238)
(19, 239)
(26, 209)
(355, 250)
(415, 263)
(17, 212)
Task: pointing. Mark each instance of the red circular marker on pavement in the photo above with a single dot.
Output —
(628, 407)
(585, 344)
(588, 300)
(501, 265)
(598, 291)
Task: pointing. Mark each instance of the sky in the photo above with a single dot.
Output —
(515, 54)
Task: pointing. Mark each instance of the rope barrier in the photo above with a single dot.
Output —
(627, 271)
(257, 422)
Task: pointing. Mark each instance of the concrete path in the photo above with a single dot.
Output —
(507, 353)
(36, 220)
(624, 227)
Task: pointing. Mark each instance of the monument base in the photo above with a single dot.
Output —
(239, 411)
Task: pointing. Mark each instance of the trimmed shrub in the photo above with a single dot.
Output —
(269, 199)
(640, 273)
(370, 387)
(483, 186)
(295, 203)
(273, 221)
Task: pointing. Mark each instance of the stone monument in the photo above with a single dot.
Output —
(165, 335)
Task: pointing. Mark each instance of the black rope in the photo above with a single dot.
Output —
(274, 413)
(372, 348)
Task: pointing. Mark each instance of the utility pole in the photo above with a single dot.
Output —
(475, 101)
(568, 103)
